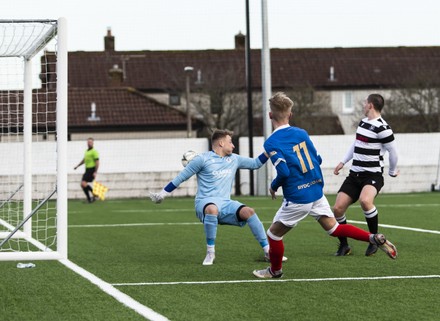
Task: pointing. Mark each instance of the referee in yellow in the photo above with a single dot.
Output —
(91, 161)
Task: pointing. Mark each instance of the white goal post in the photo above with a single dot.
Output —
(33, 122)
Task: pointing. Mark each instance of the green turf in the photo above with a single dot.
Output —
(173, 252)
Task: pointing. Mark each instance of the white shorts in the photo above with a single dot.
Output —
(291, 213)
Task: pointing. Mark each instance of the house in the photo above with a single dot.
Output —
(142, 93)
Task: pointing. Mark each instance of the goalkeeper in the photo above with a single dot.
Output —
(215, 172)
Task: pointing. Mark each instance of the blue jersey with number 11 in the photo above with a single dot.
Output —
(297, 163)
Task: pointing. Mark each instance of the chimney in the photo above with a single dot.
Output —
(240, 41)
(109, 41)
(116, 76)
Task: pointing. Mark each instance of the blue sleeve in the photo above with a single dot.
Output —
(263, 158)
(170, 187)
(283, 173)
(250, 163)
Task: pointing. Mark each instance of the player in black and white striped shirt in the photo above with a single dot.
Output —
(374, 137)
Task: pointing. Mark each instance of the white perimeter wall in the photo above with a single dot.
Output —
(132, 168)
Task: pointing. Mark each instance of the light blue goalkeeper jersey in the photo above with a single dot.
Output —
(215, 174)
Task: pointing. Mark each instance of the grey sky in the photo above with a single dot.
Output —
(212, 24)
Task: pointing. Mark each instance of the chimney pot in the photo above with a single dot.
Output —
(116, 76)
(240, 41)
(109, 41)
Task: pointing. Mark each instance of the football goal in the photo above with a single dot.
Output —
(33, 139)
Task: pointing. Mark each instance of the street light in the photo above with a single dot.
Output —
(188, 71)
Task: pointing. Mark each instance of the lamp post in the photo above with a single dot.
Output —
(188, 71)
(249, 97)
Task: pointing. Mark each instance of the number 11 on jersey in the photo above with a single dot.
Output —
(297, 149)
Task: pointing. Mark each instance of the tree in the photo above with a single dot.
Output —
(312, 111)
(415, 107)
(220, 100)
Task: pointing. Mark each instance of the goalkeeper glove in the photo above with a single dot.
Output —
(159, 197)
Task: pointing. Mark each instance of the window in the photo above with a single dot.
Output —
(174, 99)
(348, 103)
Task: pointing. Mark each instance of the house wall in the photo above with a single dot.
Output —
(350, 117)
(133, 168)
(346, 104)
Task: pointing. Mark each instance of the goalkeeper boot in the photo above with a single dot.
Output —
(268, 274)
(343, 250)
(209, 259)
(384, 245)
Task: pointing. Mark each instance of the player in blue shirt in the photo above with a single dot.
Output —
(215, 172)
(297, 164)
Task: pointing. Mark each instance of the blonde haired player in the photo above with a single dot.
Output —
(297, 164)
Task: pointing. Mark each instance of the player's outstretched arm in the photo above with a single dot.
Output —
(159, 197)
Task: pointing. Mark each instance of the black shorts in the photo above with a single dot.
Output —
(88, 175)
(355, 182)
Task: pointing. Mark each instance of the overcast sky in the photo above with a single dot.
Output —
(212, 24)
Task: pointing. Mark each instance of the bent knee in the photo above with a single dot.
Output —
(211, 209)
(339, 210)
(246, 212)
(365, 203)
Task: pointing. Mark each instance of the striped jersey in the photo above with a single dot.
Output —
(373, 138)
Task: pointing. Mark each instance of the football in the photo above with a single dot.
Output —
(187, 157)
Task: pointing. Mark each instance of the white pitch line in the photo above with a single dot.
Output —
(156, 210)
(108, 288)
(263, 208)
(136, 224)
(394, 277)
(266, 222)
(399, 227)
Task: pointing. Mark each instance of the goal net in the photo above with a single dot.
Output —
(33, 139)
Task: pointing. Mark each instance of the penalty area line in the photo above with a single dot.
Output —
(373, 278)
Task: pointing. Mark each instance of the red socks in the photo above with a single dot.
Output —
(276, 252)
(350, 231)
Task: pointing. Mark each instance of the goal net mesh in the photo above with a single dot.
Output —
(28, 57)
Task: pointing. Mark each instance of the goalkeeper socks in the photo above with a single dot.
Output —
(372, 219)
(257, 230)
(210, 226)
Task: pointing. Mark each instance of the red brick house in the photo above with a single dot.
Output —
(143, 92)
